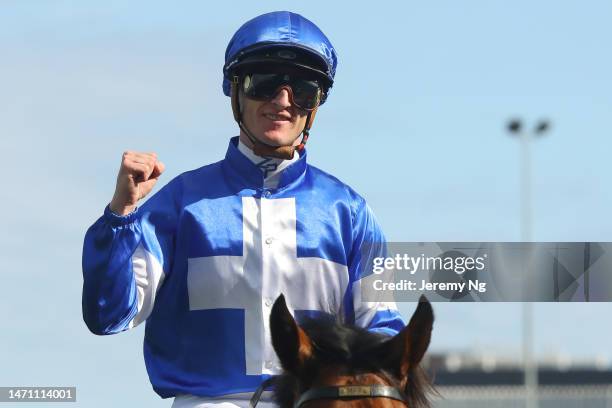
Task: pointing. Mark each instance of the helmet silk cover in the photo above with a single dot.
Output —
(279, 29)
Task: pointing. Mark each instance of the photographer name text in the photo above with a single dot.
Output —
(423, 285)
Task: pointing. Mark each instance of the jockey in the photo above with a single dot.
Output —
(203, 259)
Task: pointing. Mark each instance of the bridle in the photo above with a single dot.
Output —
(350, 391)
(339, 392)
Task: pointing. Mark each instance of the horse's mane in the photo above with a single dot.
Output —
(352, 347)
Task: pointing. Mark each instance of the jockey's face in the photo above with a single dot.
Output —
(275, 122)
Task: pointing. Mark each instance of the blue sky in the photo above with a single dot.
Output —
(415, 123)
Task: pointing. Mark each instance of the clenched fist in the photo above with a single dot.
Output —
(137, 176)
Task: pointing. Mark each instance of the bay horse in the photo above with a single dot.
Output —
(330, 365)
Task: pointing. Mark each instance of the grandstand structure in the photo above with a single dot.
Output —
(468, 380)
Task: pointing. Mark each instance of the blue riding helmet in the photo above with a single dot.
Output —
(280, 37)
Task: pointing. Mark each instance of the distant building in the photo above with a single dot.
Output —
(467, 380)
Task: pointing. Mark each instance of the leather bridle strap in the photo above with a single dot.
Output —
(352, 391)
(257, 394)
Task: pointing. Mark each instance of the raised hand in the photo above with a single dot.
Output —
(137, 176)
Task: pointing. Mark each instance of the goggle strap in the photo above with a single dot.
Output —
(306, 131)
(234, 97)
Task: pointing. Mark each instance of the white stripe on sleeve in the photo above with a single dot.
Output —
(149, 276)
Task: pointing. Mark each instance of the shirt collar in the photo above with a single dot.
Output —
(243, 168)
(270, 166)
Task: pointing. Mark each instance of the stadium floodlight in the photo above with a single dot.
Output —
(516, 128)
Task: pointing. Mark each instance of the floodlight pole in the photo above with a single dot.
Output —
(515, 127)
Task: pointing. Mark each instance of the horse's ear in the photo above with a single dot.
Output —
(292, 345)
(404, 351)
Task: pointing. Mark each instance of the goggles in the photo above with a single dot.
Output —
(304, 93)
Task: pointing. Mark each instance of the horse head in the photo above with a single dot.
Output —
(327, 364)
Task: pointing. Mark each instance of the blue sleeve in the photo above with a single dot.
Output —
(369, 242)
(125, 260)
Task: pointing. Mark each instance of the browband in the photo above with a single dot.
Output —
(350, 391)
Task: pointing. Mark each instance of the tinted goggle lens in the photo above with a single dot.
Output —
(304, 93)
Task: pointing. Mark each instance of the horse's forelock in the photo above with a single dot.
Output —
(352, 347)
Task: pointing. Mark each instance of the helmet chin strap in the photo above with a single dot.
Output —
(263, 149)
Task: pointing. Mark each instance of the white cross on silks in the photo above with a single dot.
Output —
(268, 267)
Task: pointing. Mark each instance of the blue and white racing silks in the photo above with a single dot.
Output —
(203, 260)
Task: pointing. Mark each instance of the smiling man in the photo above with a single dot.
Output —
(203, 259)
